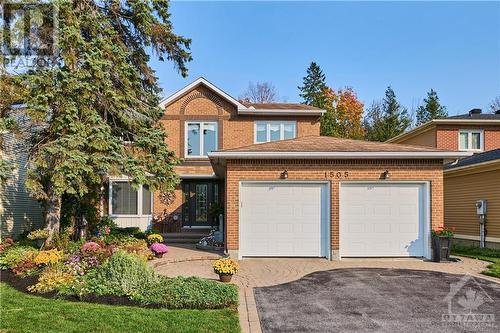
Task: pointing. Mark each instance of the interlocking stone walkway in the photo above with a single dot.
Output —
(272, 271)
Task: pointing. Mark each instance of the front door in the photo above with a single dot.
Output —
(199, 197)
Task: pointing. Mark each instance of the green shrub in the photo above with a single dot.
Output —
(128, 275)
(14, 255)
(123, 274)
(190, 293)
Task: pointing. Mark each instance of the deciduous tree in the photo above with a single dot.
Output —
(344, 112)
(261, 92)
(494, 105)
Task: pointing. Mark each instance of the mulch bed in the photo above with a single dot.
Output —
(22, 283)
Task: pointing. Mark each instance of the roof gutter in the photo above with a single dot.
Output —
(280, 112)
(337, 155)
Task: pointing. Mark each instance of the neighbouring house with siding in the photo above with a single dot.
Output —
(474, 178)
(18, 211)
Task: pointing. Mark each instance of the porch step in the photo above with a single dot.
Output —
(183, 237)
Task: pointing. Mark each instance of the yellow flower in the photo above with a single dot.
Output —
(155, 238)
(48, 257)
(51, 279)
(226, 266)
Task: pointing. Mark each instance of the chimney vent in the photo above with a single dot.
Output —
(474, 111)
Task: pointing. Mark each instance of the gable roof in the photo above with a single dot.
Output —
(329, 147)
(480, 158)
(266, 109)
(201, 80)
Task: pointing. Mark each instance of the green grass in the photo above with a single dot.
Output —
(20, 312)
(485, 254)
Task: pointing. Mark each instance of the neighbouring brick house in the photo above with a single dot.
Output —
(286, 191)
(471, 179)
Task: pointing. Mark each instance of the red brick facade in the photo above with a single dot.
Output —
(234, 130)
(368, 170)
(447, 136)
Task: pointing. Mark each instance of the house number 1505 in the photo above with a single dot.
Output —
(337, 174)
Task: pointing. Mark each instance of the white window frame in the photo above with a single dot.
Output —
(202, 148)
(139, 200)
(268, 124)
(469, 139)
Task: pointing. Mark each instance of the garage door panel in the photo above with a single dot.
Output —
(387, 220)
(288, 219)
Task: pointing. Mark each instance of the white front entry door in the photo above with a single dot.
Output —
(283, 219)
(382, 220)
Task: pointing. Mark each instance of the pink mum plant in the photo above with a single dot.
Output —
(91, 247)
(158, 248)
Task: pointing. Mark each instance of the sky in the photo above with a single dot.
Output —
(451, 47)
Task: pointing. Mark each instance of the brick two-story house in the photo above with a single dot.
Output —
(285, 190)
(470, 179)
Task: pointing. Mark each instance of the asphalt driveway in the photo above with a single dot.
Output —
(381, 300)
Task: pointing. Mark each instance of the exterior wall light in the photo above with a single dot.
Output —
(284, 175)
(385, 175)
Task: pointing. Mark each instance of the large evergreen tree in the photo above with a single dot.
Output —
(387, 119)
(101, 90)
(432, 109)
(313, 86)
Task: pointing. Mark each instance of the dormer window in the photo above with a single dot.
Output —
(200, 138)
(267, 131)
(471, 140)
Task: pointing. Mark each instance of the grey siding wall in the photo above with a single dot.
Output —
(18, 211)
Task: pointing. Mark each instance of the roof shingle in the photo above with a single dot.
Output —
(330, 144)
(475, 159)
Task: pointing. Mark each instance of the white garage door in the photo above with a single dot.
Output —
(283, 219)
(382, 220)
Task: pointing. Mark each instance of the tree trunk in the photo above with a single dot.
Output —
(52, 213)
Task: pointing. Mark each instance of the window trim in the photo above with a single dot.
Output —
(139, 200)
(268, 124)
(202, 144)
(469, 139)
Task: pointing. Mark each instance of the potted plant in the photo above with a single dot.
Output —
(39, 236)
(158, 249)
(441, 243)
(155, 238)
(226, 268)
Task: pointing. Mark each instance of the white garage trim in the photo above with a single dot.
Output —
(325, 215)
(424, 203)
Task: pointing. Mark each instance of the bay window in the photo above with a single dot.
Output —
(267, 131)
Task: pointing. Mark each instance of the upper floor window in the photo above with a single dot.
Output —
(470, 140)
(267, 131)
(200, 138)
(126, 200)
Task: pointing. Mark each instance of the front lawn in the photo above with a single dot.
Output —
(485, 254)
(24, 313)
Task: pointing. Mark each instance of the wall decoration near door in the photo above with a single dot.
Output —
(198, 197)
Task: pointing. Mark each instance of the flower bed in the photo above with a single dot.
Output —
(116, 270)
